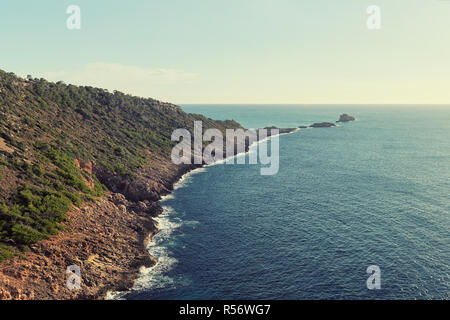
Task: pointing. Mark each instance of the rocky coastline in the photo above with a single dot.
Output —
(107, 239)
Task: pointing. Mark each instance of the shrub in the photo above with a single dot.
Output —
(119, 151)
(26, 234)
(55, 207)
(74, 197)
(6, 252)
(37, 170)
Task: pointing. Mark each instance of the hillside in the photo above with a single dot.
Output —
(62, 146)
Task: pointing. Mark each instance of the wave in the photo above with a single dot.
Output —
(156, 276)
(182, 182)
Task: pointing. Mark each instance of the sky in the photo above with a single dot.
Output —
(237, 51)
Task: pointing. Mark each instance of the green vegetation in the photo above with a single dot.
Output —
(49, 125)
(6, 252)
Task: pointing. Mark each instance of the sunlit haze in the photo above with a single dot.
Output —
(237, 51)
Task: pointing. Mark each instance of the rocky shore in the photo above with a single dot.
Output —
(107, 239)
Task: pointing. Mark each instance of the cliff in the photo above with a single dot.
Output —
(81, 170)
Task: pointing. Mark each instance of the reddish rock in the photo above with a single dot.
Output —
(86, 166)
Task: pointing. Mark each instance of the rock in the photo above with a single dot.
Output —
(142, 206)
(86, 166)
(303, 127)
(4, 147)
(345, 118)
(118, 199)
(323, 125)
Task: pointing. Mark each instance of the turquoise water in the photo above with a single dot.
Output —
(371, 192)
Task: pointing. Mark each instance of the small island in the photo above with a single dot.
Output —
(345, 118)
(323, 125)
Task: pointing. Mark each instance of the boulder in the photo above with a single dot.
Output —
(345, 118)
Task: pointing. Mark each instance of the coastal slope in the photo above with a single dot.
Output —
(81, 170)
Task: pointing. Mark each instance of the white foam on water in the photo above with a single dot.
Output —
(182, 182)
(156, 276)
(252, 148)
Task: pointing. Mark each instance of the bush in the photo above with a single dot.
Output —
(26, 234)
(74, 197)
(119, 151)
(37, 170)
(29, 199)
(73, 180)
(37, 215)
(55, 207)
(6, 252)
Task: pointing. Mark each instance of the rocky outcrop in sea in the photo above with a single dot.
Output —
(323, 125)
(345, 118)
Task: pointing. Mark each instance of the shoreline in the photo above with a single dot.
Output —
(108, 239)
(117, 295)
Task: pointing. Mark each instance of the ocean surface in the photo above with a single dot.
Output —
(370, 192)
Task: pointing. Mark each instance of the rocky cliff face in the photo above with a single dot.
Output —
(81, 170)
(151, 182)
(107, 239)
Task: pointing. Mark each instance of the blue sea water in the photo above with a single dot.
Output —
(370, 192)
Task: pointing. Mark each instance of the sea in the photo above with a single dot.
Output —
(373, 192)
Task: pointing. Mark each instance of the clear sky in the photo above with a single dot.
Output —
(236, 51)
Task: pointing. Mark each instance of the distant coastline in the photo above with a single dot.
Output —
(112, 294)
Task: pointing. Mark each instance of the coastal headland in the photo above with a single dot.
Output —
(82, 171)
